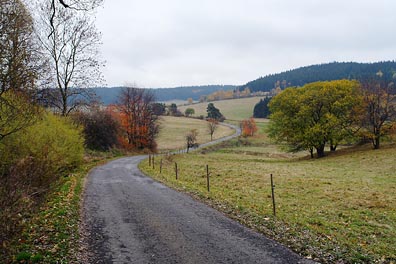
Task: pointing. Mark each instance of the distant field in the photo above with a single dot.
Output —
(235, 109)
(338, 209)
(173, 131)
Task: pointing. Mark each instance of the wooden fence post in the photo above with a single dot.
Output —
(149, 160)
(207, 177)
(273, 195)
(153, 162)
(161, 166)
(176, 169)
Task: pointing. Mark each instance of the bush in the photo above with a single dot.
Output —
(31, 161)
(100, 129)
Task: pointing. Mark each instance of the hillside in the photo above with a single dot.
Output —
(233, 109)
(321, 72)
(295, 77)
(173, 131)
(109, 95)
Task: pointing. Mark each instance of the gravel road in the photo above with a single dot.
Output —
(130, 218)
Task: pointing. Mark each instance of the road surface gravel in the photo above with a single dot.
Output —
(130, 218)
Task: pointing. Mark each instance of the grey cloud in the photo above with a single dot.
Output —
(170, 43)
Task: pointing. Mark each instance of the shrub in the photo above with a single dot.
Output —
(100, 129)
(31, 161)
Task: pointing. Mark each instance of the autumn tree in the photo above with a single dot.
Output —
(137, 118)
(248, 127)
(191, 139)
(317, 114)
(71, 42)
(212, 125)
(379, 115)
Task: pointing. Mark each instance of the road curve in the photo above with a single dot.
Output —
(130, 218)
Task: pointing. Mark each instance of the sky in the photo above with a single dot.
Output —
(161, 44)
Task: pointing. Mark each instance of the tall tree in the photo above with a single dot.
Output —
(212, 126)
(20, 67)
(137, 118)
(261, 109)
(71, 41)
(379, 116)
(314, 115)
(214, 113)
(20, 58)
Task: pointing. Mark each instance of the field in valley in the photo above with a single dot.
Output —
(338, 208)
(173, 131)
(235, 109)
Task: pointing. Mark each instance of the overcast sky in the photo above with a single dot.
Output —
(169, 43)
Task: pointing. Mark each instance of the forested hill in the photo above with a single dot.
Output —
(109, 95)
(321, 72)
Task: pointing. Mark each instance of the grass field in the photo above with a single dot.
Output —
(235, 109)
(338, 209)
(173, 131)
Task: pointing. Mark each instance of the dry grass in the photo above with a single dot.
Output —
(235, 109)
(341, 208)
(173, 131)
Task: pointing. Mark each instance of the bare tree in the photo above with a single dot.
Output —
(80, 5)
(212, 126)
(137, 117)
(379, 98)
(191, 139)
(71, 41)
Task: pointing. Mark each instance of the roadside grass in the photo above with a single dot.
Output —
(173, 131)
(233, 109)
(338, 209)
(52, 234)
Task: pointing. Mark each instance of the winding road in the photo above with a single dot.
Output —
(130, 218)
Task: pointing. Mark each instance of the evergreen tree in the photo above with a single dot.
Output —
(214, 113)
(261, 109)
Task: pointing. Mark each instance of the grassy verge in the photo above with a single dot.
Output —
(51, 235)
(339, 209)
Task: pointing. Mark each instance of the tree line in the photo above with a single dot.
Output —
(322, 72)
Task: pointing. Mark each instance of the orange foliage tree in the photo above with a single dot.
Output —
(248, 127)
(138, 121)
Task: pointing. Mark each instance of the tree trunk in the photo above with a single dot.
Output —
(333, 147)
(320, 151)
(311, 152)
(376, 142)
